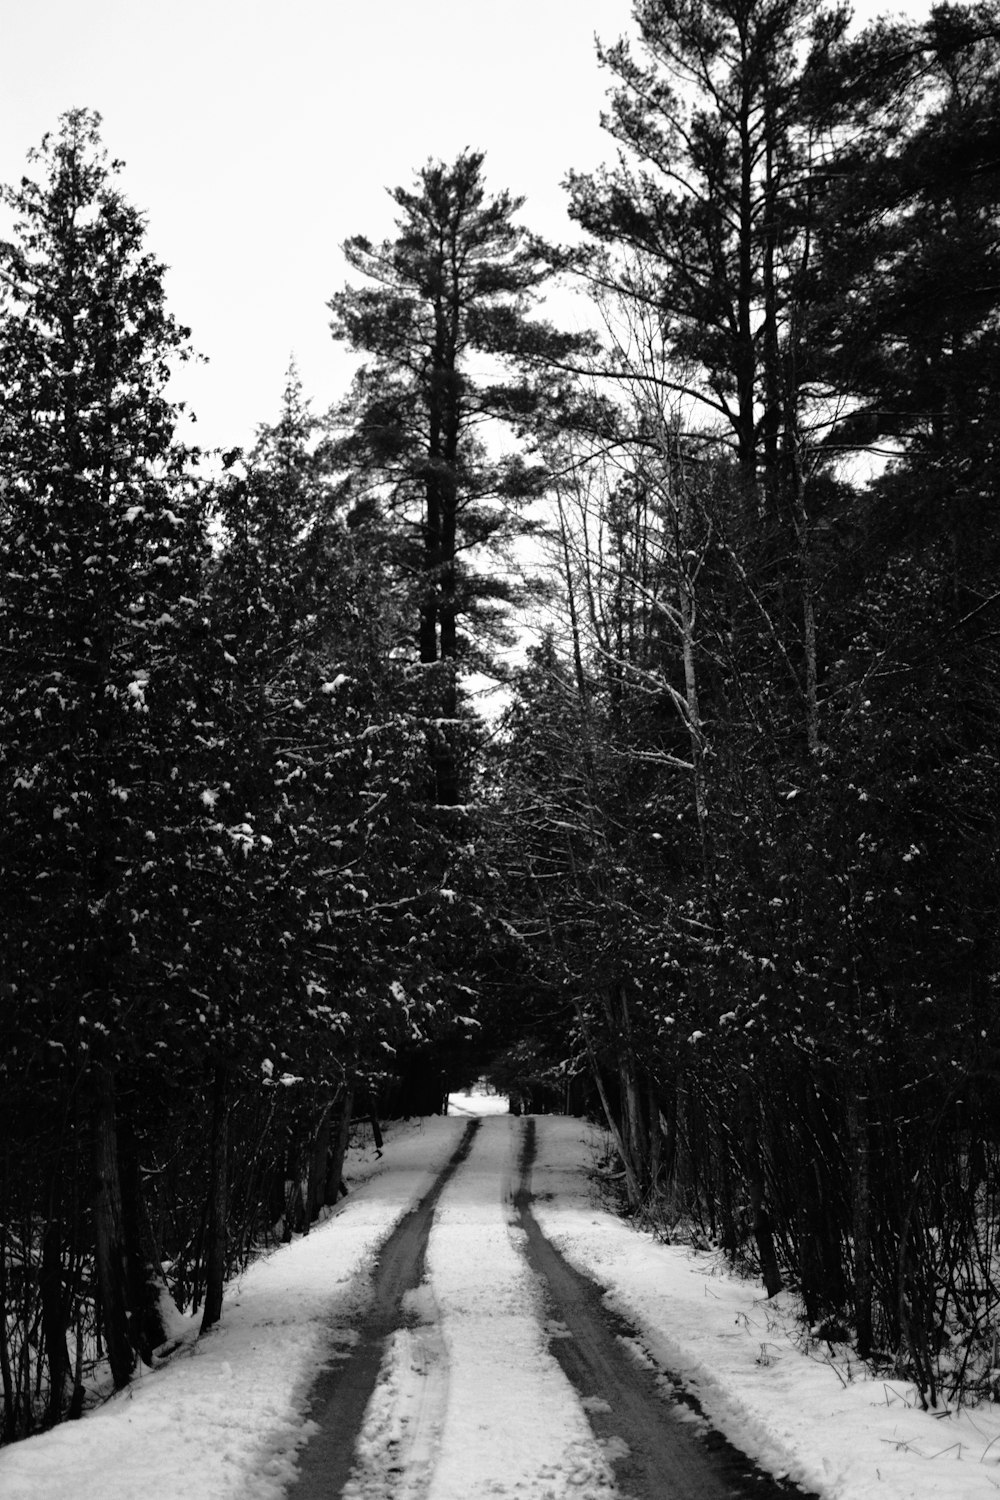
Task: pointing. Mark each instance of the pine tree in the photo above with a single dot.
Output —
(908, 274)
(456, 285)
(710, 196)
(704, 252)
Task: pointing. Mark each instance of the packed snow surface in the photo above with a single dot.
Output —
(472, 1402)
(470, 1396)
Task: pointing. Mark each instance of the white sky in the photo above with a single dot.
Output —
(258, 137)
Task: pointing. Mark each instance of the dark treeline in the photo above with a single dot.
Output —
(724, 871)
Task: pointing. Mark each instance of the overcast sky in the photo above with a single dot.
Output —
(258, 137)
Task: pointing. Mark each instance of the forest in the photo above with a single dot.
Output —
(716, 859)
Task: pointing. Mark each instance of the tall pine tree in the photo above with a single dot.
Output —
(448, 297)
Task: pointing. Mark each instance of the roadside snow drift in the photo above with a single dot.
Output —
(833, 1431)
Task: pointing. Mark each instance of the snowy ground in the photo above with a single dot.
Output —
(838, 1434)
(223, 1420)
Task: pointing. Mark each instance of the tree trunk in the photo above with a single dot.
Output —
(9, 1424)
(656, 1139)
(75, 1411)
(110, 1258)
(857, 1130)
(632, 1187)
(756, 1187)
(295, 1203)
(149, 1296)
(218, 1205)
(633, 1118)
(633, 1122)
(316, 1178)
(807, 570)
(335, 1160)
(376, 1127)
(53, 1320)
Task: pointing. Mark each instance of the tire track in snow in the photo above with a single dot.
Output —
(397, 1447)
(513, 1426)
(500, 1374)
(652, 1430)
(468, 1402)
(382, 1354)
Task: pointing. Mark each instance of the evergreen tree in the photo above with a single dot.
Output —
(329, 747)
(907, 269)
(100, 550)
(711, 198)
(418, 434)
(817, 980)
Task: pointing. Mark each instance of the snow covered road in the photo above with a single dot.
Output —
(511, 1423)
(478, 1398)
(468, 1398)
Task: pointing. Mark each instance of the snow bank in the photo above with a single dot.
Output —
(739, 1353)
